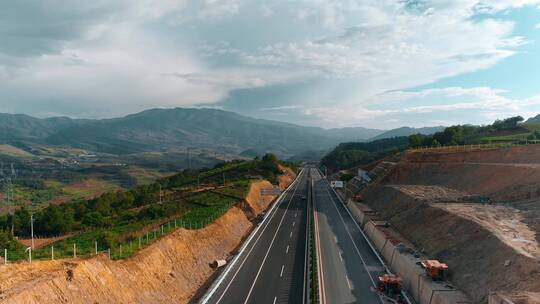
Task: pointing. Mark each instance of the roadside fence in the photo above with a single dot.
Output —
(85, 246)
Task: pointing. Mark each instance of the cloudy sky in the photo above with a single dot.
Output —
(372, 63)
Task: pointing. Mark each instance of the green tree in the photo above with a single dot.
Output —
(416, 140)
(269, 157)
(508, 123)
(92, 219)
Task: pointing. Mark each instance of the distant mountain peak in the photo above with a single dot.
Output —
(406, 131)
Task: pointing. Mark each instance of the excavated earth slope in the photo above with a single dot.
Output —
(479, 211)
(171, 270)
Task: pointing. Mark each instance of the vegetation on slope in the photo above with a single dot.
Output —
(509, 129)
(348, 155)
(191, 199)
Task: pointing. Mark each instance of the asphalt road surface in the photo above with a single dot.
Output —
(348, 269)
(271, 268)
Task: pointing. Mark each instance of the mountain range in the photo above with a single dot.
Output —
(406, 131)
(163, 129)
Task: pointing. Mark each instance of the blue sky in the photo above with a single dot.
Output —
(371, 63)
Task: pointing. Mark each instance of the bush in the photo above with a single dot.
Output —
(107, 239)
(8, 242)
(93, 219)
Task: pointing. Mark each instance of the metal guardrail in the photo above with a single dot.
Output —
(311, 284)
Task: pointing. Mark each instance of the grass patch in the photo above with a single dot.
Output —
(506, 138)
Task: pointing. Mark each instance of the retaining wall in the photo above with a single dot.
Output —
(403, 260)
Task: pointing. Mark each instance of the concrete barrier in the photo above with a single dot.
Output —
(404, 261)
(361, 213)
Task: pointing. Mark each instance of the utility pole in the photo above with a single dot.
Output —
(32, 229)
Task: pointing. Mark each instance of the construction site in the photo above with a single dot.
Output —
(456, 225)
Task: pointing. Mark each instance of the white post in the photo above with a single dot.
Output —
(30, 255)
(5, 256)
(161, 229)
(120, 251)
(74, 250)
(95, 247)
(174, 223)
(109, 253)
(52, 253)
(139, 242)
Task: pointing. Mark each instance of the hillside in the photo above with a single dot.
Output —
(162, 129)
(351, 154)
(406, 131)
(174, 261)
(476, 210)
(533, 120)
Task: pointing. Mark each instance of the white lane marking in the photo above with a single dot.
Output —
(354, 243)
(290, 235)
(293, 223)
(287, 250)
(281, 273)
(275, 299)
(348, 282)
(269, 216)
(270, 246)
(295, 214)
(335, 239)
(340, 258)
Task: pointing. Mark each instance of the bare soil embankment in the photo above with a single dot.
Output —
(171, 270)
(491, 244)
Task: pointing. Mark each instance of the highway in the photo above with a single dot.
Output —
(271, 266)
(348, 269)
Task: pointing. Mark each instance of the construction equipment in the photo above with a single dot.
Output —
(389, 287)
(434, 269)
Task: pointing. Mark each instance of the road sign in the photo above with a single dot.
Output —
(336, 184)
(271, 191)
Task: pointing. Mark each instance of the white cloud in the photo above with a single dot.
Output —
(109, 58)
(477, 105)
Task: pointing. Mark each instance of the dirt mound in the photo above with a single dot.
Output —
(286, 178)
(257, 202)
(490, 246)
(170, 270)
